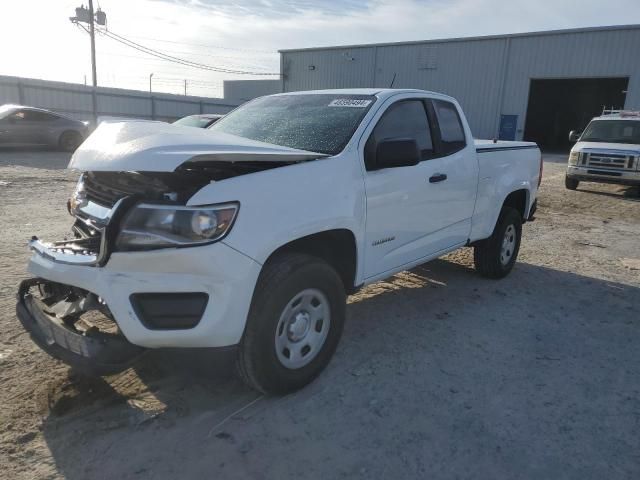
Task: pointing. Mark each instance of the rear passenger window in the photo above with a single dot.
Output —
(451, 131)
(405, 119)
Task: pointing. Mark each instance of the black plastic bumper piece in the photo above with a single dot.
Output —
(94, 354)
(169, 311)
(532, 212)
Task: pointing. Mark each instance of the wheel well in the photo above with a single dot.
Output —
(517, 200)
(69, 131)
(336, 247)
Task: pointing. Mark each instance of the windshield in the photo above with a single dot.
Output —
(321, 123)
(613, 131)
(195, 121)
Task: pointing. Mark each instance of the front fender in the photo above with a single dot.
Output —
(290, 202)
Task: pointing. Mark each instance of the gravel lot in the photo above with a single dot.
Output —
(440, 373)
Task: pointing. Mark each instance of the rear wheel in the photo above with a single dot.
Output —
(69, 141)
(495, 256)
(294, 324)
(571, 183)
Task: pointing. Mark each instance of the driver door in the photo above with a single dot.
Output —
(411, 210)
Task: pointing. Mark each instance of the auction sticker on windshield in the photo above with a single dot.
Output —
(349, 102)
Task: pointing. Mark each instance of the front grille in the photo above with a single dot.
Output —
(106, 188)
(102, 193)
(610, 160)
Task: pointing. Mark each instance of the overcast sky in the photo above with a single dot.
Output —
(38, 40)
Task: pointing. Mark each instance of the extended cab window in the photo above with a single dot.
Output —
(406, 119)
(451, 130)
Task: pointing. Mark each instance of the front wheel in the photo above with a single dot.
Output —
(571, 183)
(69, 141)
(294, 324)
(495, 256)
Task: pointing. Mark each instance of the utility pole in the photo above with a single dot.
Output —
(92, 34)
(84, 15)
(185, 87)
(150, 77)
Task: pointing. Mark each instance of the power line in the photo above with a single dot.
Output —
(166, 57)
(158, 61)
(180, 61)
(265, 52)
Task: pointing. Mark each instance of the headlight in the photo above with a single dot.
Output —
(573, 158)
(149, 226)
(78, 197)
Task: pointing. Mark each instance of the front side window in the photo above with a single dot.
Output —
(322, 123)
(406, 119)
(451, 130)
(18, 116)
(36, 116)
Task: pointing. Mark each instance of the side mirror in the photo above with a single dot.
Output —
(574, 135)
(397, 152)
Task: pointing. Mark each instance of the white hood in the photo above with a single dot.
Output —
(622, 148)
(162, 147)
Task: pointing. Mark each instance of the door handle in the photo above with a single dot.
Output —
(438, 177)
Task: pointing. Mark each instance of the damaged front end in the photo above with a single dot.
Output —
(74, 326)
(133, 199)
(70, 323)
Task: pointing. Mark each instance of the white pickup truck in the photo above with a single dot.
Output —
(252, 233)
(608, 151)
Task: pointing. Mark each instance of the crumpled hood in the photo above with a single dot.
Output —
(162, 147)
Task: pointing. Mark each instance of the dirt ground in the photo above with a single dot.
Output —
(440, 373)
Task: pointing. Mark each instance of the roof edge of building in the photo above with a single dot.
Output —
(634, 26)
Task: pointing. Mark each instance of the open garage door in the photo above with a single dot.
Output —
(560, 105)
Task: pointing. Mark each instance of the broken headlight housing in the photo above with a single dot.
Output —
(149, 226)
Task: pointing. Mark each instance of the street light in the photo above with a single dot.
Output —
(150, 77)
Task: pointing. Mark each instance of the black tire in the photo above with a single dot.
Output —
(487, 254)
(280, 281)
(571, 183)
(69, 141)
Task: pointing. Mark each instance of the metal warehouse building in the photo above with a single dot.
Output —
(533, 86)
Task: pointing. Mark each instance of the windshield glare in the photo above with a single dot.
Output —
(321, 123)
(613, 131)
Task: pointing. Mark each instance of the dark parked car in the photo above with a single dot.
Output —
(204, 120)
(20, 126)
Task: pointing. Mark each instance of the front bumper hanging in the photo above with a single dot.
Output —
(91, 352)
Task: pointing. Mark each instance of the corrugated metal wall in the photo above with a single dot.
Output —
(244, 90)
(489, 76)
(77, 100)
(613, 53)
